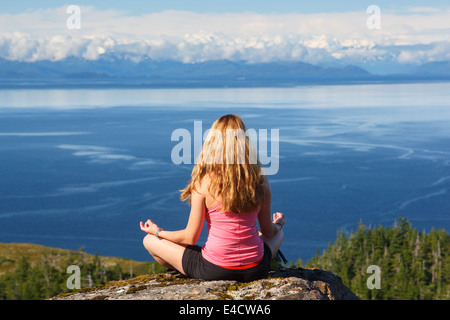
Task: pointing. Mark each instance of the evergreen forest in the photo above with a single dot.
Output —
(49, 276)
(412, 265)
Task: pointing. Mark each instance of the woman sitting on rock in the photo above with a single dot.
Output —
(229, 190)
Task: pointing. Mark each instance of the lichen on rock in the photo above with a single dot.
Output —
(282, 284)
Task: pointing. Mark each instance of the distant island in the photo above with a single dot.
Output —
(148, 73)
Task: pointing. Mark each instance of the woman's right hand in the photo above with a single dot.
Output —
(149, 226)
(278, 218)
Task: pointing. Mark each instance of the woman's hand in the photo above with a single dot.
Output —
(279, 218)
(149, 226)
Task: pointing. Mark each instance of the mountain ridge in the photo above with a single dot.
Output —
(114, 72)
(223, 69)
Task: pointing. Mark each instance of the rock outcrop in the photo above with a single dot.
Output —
(283, 284)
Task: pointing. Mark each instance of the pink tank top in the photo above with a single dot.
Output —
(233, 238)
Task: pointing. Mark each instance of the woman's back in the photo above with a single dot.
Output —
(233, 238)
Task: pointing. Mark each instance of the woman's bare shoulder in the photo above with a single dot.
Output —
(204, 187)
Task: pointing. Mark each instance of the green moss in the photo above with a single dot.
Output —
(88, 289)
(134, 289)
(266, 284)
(227, 294)
(134, 281)
(63, 295)
(250, 297)
(233, 288)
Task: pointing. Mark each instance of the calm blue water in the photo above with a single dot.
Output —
(81, 168)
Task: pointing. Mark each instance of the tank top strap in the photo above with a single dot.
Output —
(215, 208)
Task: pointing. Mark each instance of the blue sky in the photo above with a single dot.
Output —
(327, 32)
(203, 6)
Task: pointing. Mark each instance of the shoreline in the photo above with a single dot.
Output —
(59, 83)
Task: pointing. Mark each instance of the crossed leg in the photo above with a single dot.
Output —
(170, 254)
(165, 252)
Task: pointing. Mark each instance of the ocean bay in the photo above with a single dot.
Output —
(82, 167)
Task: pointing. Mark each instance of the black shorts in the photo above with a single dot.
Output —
(195, 266)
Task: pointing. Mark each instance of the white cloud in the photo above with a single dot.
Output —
(421, 36)
(439, 51)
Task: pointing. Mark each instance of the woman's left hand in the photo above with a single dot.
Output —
(278, 217)
(149, 226)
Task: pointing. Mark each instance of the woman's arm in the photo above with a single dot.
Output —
(191, 233)
(268, 227)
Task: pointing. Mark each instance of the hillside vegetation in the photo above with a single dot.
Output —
(29, 271)
(413, 265)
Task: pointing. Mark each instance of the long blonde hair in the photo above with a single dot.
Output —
(231, 163)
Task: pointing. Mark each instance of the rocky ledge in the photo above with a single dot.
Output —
(283, 284)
